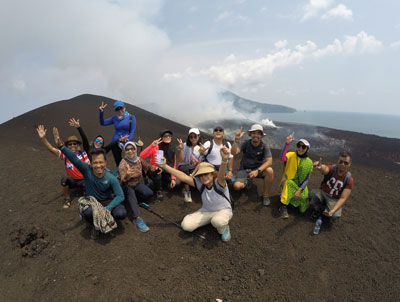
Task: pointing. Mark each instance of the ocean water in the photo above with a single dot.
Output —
(368, 123)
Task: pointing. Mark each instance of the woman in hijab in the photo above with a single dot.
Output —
(161, 178)
(124, 124)
(130, 172)
(296, 174)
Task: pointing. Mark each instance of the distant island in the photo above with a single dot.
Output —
(248, 106)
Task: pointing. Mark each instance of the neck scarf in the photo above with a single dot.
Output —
(132, 160)
(120, 117)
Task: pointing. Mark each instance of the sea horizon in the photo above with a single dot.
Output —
(385, 125)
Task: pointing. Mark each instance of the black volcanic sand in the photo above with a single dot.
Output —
(47, 253)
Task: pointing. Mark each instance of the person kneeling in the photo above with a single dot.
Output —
(216, 206)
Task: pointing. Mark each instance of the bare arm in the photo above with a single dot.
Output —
(235, 146)
(343, 197)
(41, 130)
(224, 151)
(181, 157)
(320, 167)
(178, 174)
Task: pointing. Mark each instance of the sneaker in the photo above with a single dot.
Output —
(266, 201)
(159, 195)
(94, 234)
(141, 225)
(283, 211)
(188, 196)
(226, 236)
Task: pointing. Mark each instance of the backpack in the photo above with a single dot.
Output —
(219, 192)
(333, 172)
(211, 147)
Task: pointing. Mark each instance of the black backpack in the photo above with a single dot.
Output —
(219, 192)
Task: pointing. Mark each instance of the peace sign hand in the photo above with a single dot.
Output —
(156, 142)
(102, 106)
(180, 143)
(290, 138)
(224, 151)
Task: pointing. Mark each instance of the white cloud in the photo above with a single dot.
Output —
(281, 44)
(340, 11)
(222, 16)
(253, 72)
(225, 15)
(337, 92)
(314, 7)
(194, 8)
(395, 45)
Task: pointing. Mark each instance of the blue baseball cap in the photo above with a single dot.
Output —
(118, 104)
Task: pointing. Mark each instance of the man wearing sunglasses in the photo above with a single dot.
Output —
(210, 151)
(256, 161)
(335, 187)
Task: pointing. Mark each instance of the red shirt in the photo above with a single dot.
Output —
(334, 185)
(72, 171)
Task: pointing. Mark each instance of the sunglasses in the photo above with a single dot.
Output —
(343, 162)
(130, 149)
(192, 136)
(167, 135)
(301, 146)
(98, 141)
(218, 130)
(118, 108)
(72, 144)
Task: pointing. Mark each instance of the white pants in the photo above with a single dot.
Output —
(219, 220)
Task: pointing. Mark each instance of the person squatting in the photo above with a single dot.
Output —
(207, 167)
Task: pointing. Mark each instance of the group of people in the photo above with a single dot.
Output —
(206, 166)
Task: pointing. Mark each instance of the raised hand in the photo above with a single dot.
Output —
(74, 123)
(239, 134)
(102, 106)
(57, 138)
(290, 138)
(224, 151)
(318, 164)
(124, 138)
(41, 130)
(203, 149)
(157, 141)
(180, 143)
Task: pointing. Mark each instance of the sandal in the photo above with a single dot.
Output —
(67, 203)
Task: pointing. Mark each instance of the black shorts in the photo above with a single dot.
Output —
(68, 181)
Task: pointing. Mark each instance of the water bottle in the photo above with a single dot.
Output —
(317, 226)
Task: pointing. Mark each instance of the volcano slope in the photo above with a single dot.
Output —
(47, 254)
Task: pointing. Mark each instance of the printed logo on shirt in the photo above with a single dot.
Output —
(335, 186)
(105, 182)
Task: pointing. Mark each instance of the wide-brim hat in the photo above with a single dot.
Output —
(305, 142)
(118, 104)
(256, 127)
(139, 143)
(203, 168)
(73, 138)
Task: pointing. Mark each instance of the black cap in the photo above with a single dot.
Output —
(165, 131)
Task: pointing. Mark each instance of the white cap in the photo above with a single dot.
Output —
(257, 127)
(195, 131)
(305, 142)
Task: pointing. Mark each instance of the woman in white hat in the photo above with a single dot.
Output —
(298, 168)
(188, 157)
(216, 203)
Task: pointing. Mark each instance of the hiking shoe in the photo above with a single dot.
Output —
(141, 225)
(283, 211)
(226, 236)
(188, 196)
(94, 234)
(159, 195)
(266, 201)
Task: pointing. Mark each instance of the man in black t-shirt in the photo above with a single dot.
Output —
(256, 160)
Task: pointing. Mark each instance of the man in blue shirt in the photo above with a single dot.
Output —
(100, 183)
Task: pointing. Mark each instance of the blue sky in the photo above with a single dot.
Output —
(310, 55)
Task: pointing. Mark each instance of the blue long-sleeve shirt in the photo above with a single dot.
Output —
(100, 188)
(122, 126)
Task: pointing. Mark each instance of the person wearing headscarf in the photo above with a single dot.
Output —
(124, 124)
(163, 179)
(296, 174)
(130, 171)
